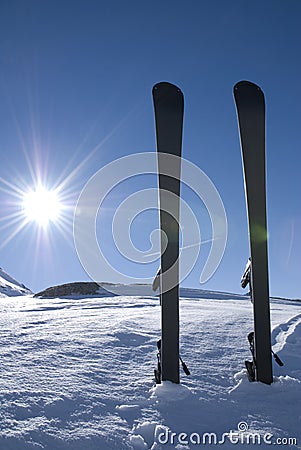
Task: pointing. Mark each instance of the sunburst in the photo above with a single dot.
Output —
(42, 206)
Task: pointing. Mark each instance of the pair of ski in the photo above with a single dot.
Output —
(169, 107)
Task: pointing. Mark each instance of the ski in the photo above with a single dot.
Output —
(169, 107)
(158, 371)
(250, 105)
(250, 370)
(251, 365)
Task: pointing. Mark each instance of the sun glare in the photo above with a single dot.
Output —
(41, 206)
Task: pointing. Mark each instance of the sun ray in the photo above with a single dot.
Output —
(14, 233)
(65, 179)
(13, 190)
(10, 219)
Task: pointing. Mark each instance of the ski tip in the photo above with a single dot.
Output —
(244, 84)
(248, 95)
(165, 86)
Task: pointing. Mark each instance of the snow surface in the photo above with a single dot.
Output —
(78, 374)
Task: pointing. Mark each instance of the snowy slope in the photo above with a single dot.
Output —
(11, 287)
(78, 374)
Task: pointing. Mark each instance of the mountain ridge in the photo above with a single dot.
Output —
(105, 289)
(10, 287)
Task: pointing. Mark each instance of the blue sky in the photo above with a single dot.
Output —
(75, 95)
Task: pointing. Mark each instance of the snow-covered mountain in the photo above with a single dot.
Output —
(9, 287)
(77, 373)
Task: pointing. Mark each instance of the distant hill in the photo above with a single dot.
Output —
(70, 289)
(93, 289)
(9, 287)
(90, 288)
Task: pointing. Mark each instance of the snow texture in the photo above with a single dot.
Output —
(77, 374)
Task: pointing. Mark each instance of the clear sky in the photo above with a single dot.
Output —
(75, 94)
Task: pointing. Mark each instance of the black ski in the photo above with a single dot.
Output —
(158, 371)
(250, 106)
(169, 107)
(251, 365)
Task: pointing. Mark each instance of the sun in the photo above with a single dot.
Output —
(42, 206)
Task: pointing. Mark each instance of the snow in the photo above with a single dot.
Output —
(11, 287)
(77, 374)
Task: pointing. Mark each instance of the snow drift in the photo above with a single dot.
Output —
(78, 374)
